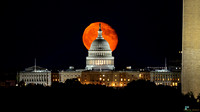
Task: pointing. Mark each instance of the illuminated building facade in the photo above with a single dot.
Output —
(144, 75)
(55, 77)
(165, 77)
(109, 78)
(100, 54)
(35, 75)
(70, 73)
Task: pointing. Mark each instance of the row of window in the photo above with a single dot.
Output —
(122, 77)
(167, 84)
(103, 79)
(55, 79)
(34, 80)
(55, 75)
(111, 84)
(100, 54)
(100, 62)
(166, 79)
(31, 76)
(169, 75)
(71, 75)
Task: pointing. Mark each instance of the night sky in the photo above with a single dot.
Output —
(51, 31)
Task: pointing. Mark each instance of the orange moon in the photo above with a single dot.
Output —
(108, 33)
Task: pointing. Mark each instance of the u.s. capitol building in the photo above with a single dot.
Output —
(99, 69)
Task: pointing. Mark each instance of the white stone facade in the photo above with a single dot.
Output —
(165, 78)
(64, 75)
(100, 54)
(35, 76)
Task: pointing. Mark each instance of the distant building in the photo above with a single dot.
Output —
(70, 73)
(165, 77)
(112, 78)
(7, 83)
(144, 75)
(35, 75)
(100, 70)
(109, 78)
(8, 79)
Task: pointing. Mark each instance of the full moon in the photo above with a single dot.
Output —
(108, 33)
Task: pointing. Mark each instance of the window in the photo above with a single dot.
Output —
(140, 75)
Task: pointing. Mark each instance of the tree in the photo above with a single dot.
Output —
(141, 84)
(190, 100)
(73, 83)
(21, 83)
(198, 98)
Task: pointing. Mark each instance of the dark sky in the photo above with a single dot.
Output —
(51, 31)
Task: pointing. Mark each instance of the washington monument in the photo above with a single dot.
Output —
(191, 47)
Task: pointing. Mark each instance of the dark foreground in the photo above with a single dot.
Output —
(138, 96)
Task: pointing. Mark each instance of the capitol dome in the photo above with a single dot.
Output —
(100, 54)
(100, 45)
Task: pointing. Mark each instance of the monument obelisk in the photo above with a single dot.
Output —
(191, 47)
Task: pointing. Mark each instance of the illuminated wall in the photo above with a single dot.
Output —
(43, 78)
(165, 78)
(100, 62)
(64, 75)
(191, 47)
(109, 78)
